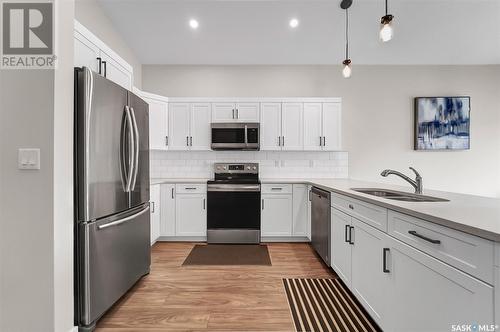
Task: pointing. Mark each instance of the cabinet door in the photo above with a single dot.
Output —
(247, 112)
(332, 126)
(292, 126)
(429, 295)
(201, 115)
(341, 249)
(158, 124)
(116, 72)
(155, 213)
(300, 225)
(276, 216)
(178, 126)
(191, 215)
(86, 53)
(167, 199)
(270, 126)
(369, 282)
(223, 112)
(312, 126)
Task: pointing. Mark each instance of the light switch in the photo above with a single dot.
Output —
(29, 159)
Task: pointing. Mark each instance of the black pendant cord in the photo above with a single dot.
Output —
(386, 11)
(346, 34)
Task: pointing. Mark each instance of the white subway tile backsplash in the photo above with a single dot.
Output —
(273, 164)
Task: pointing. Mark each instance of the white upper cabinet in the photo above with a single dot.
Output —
(281, 126)
(291, 126)
(179, 116)
(93, 53)
(189, 126)
(116, 72)
(158, 121)
(247, 112)
(270, 126)
(86, 53)
(312, 126)
(322, 123)
(235, 112)
(200, 133)
(332, 126)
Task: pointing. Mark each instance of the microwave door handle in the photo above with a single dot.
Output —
(246, 136)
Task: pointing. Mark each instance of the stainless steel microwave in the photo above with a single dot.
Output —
(236, 136)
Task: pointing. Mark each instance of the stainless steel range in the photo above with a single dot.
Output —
(233, 211)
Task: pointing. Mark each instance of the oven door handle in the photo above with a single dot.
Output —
(233, 187)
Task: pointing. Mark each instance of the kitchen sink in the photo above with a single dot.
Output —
(398, 195)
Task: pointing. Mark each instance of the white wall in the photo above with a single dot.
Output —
(377, 112)
(90, 14)
(36, 214)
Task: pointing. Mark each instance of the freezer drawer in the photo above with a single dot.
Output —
(114, 253)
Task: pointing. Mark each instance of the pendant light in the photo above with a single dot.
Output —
(347, 70)
(386, 30)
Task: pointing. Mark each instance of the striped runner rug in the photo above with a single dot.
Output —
(325, 305)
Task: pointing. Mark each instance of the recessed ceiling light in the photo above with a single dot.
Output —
(194, 24)
(294, 23)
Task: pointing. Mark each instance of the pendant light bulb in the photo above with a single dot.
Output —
(347, 70)
(386, 30)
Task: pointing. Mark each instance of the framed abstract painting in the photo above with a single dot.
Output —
(442, 123)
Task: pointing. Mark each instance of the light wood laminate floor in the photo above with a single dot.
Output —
(213, 298)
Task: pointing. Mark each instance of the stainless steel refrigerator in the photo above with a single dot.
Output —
(112, 226)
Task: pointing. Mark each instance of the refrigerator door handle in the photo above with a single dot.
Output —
(130, 150)
(136, 150)
(123, 220)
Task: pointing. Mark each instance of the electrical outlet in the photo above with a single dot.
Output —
(29, 159)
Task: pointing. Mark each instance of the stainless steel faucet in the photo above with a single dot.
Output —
(417, 183)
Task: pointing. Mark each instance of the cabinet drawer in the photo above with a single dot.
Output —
(371, 214)
(466, 252)
(276, 188)
(191, 188)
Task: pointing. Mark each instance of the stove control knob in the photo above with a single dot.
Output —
(218, 167)
(224, 167)
(254, 168)
(248, 167)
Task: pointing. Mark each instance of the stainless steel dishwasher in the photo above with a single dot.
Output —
(320, 223)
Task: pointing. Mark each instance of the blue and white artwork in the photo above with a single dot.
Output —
(442, 123)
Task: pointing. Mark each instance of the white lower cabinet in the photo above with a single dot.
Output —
(167, 224)
(340, 247)
(403, 288)
(276, 215)
(155, 211)
(191, 215)
(369, 277)
(425, 294)
(300, 220)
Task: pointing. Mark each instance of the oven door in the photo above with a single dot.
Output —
(235, 136)
(233, 206)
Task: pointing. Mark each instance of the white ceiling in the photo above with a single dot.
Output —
(257, 31)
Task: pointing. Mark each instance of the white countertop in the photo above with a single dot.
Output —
(468, 213)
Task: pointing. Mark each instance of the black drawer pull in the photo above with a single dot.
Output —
(384, 258)
(414, 233)
(350, 234)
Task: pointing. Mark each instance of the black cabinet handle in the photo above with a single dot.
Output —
(414, 233)
(347, 228)
(204, 204)
(105, 68)
(351, 206)
(166, 140)
(384, 258)
(350, 234)
(172, 193)
(99, 64)
(152, 207)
